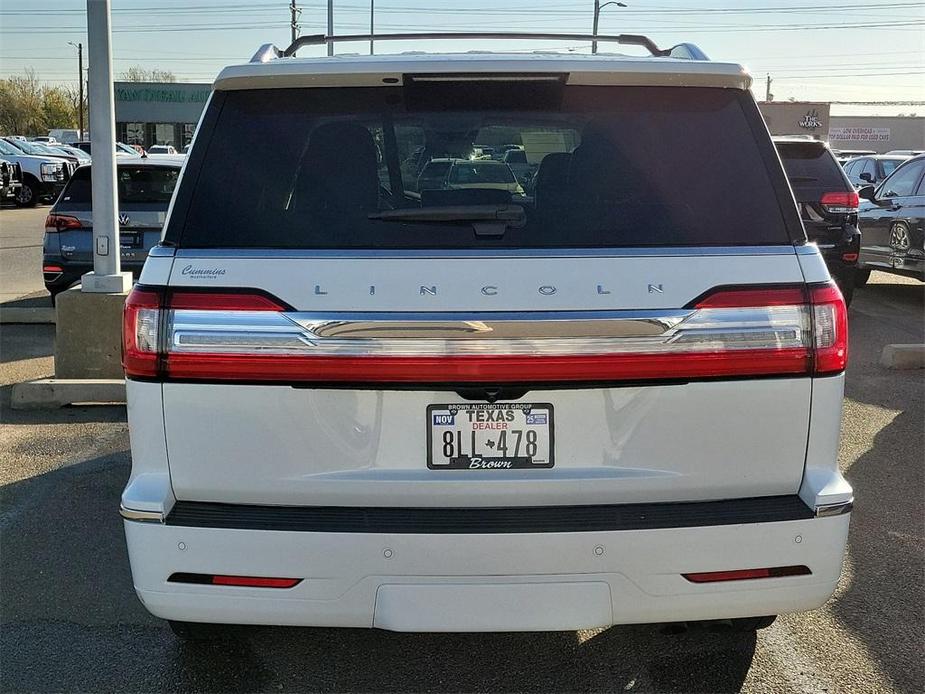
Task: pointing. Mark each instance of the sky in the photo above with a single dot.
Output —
(828, 50)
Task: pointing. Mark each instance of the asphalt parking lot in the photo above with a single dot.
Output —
(70, 619)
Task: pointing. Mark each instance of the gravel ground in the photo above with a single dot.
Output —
(71, 622)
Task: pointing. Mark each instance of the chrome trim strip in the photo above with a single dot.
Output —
(491, 325)
(841, 508)
(143, 516)
(321, 253)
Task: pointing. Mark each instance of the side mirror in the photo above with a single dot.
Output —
(867, 192)
(865, 176)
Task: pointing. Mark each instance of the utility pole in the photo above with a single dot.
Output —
(768, 96)
(294, 13)
(80, 85)
(330, 26)
(107, 275)
(597, 16)
(372, 23)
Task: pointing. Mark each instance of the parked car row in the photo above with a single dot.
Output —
(891, 214)
(43, 173)
(867, 214)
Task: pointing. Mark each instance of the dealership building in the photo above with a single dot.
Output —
(158, 113)
(878, 133)
(166, 113)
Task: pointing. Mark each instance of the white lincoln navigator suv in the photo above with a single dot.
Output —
(361, 397)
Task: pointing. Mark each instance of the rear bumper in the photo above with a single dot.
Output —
(463, 581)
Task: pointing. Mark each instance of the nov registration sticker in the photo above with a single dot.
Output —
(495, 436)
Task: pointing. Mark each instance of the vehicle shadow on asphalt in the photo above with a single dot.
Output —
(882, 605)
(71, 621)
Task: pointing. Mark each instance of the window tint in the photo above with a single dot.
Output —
(137, 184)
(850, 167)
(604, 167)
(903, 181)
(515, 156)
(890, 165)
(811, 168)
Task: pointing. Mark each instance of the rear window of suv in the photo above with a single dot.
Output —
(812, 168)
(607, 167)
(137, 184)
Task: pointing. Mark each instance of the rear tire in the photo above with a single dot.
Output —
(861, 277)
(195, 631)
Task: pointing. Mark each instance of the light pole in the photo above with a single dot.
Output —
(372, 23)
(80, 85)
(330, 26)
(107, 275)
(597, 15)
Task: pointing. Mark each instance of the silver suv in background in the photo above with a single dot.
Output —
(145, 187)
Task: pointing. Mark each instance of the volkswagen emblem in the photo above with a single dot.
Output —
(123, 219)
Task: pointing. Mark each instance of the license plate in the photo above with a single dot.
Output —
(483, 436)
(129, 239)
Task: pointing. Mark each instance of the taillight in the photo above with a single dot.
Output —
(830, 329)
(60, 222)
(840, 202)
(141, 331)
(247, 336)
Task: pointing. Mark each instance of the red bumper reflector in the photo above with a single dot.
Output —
(245, 581)
(255, 581)
(747, 574)
(52, 268)
(849, 257)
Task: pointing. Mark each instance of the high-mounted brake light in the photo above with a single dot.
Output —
(841, 202)
(60, 222)
(248, 336)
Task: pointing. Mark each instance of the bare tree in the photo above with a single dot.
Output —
(21, 104)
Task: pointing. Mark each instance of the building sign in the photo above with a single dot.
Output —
(811, 120)
(858, 134)
(796, 117)
(162, 95)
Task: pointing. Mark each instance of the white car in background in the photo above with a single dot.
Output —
(162, 149)
(43, 176)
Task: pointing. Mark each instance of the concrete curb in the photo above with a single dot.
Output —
(31, 314)
(903, 357)
(51, 393)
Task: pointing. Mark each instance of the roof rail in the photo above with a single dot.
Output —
(687, 51)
